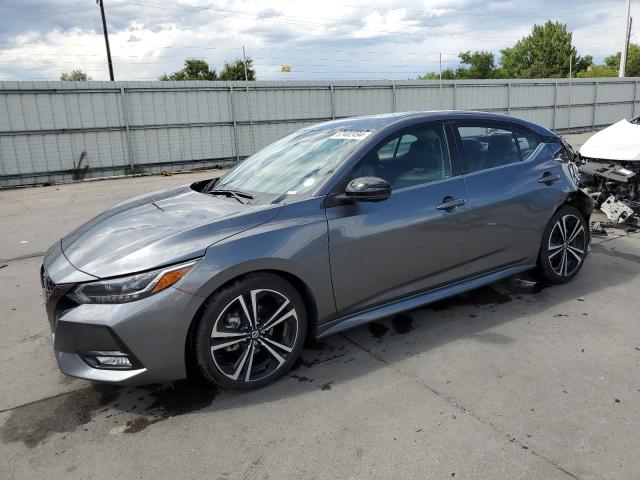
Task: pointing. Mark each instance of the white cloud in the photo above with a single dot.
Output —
(328, 39)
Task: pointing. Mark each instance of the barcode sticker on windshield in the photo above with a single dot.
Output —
(351, 135)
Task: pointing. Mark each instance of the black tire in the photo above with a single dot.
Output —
(244, 352)
(565, 245)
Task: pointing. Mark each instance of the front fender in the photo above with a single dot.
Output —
(294, 243)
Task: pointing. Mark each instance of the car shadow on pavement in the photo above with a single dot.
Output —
(325, 364)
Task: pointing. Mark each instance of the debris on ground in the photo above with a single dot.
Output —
(616, 210)
(597, 228)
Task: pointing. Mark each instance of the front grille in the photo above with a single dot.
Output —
(47, 285)
(53, 296)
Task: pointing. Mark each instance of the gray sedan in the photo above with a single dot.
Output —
(333, 226)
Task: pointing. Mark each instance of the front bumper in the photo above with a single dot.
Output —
(71, 364)
(151, 331)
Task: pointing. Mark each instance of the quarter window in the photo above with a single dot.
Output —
(486, 147)
(413, 158)
(527, 142)
(565, 153)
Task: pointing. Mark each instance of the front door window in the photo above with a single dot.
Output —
(412, 158)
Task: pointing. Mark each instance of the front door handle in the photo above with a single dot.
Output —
(548, 178)
(449, 204)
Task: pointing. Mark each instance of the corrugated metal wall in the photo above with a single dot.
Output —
(139, 127)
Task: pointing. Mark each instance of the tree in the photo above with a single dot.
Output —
(611, 65)
(194, 69)
(75, 76)
(594, 71)
(633, 61)
(235, 70)
(447, 74)
(545, 53)
(481, 64)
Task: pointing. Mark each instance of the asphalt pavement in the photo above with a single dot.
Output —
(515, 380)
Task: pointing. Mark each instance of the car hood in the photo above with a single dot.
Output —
(620, 141)
(158, 229)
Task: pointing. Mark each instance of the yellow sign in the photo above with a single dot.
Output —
(286, 69)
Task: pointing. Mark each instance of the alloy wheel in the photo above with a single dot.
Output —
(567, 245)
(254, 335)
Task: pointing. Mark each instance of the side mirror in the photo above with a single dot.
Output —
(368, 189)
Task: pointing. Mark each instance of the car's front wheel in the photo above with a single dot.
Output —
(250, 332)
(564, 245)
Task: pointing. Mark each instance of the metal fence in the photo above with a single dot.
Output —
(145, 127)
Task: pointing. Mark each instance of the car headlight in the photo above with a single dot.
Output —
(132, 287)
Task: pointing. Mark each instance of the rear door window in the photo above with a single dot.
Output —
(487, 146)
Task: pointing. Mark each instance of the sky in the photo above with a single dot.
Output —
(359, 39)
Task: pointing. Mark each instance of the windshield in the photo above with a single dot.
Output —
(294, 164)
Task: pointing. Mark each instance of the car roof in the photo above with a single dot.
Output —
(400, 119)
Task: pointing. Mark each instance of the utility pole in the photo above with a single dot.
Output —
(246, 78)
(570, 65)
(246, 85)
(440, 75)
(106, 38)
(628, 40)
(627, 32)
(570, 77)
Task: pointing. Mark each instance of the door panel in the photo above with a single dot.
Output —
(387, 250)
(509, 206)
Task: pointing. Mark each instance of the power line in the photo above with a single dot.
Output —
(456, 13)
(286, 54)
(333, 25)
(279, 18)
(334, 66)
(270, 49)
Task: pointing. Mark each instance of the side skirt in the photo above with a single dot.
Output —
(415, 301)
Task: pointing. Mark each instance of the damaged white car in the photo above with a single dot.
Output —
(610, 171)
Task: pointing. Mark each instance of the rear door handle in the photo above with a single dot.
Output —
(449, 204)
(548, 178)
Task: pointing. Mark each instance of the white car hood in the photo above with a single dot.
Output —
(620, 141)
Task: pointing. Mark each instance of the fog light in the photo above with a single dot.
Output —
(114, 361)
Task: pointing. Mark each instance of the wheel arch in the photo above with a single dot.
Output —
(544, 267)
(300, 285)
(580, 200)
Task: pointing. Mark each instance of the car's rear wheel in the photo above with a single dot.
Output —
(564, 245)
(250, 332)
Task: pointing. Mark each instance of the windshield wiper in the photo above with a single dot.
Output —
(239, 195)
(210, 185)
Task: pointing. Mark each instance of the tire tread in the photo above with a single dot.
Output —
(544, 269)
(202, 353)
